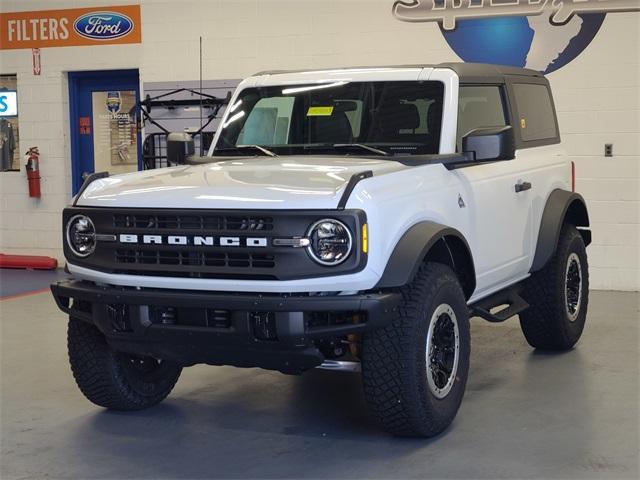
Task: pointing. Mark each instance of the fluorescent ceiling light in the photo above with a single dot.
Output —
(233, 118)
(287, 91)
(235, 106)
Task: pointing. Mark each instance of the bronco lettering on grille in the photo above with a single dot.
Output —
(197, 240)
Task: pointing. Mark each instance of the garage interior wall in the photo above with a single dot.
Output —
(597, 97)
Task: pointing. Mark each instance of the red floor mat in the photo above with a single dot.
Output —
(28, 261)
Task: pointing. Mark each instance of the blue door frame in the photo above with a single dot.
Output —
(81, 86)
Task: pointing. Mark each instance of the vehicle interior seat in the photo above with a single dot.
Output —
(395, 120)
(330, 129)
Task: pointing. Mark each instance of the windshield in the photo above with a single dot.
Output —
(400, 117)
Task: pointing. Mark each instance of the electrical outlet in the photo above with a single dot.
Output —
(608, 149)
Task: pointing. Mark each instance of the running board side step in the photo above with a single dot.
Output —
(510, 297)
(340, 365)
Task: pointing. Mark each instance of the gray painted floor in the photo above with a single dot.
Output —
(14, 282)
(525, 414)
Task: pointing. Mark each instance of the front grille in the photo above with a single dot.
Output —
(194, 259)
(194, 222)
(191, 317)
(218, 318)
(212, 244)
(188, 260)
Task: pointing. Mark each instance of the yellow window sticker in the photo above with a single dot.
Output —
(320, 111)
(523, 123)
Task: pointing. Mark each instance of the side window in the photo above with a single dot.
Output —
(479, 106)
(536, 120)
(268, 123)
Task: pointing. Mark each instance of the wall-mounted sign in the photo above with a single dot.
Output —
(85, 125)
(113, 102)
(37, 64)
(544, 35)
(70, 27)
(115, 135)
(8, 103)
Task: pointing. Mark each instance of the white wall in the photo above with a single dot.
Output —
(597, 96)
(598, 100)
(32, 226)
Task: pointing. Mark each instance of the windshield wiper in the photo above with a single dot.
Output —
(263, 150)
(362, 146)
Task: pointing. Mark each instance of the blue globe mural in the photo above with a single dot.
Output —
(530, 42)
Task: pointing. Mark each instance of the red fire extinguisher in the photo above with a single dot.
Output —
(33, 171)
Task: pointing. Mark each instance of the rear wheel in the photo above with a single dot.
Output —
(558, 295)
(415, 370)
(112, 379)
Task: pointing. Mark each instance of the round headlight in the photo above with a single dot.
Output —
(330, 242)
(81, 235)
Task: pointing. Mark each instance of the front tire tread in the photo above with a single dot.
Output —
(99, 375)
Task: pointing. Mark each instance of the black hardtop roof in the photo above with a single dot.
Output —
(488, 69)
(468, 72)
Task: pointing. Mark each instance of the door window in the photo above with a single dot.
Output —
(479, 106)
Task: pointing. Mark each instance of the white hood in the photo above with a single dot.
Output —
(300, 182)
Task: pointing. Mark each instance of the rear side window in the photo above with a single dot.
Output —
(479, 106)
(536, 120)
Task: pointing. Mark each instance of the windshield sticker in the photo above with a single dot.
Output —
(320, 111)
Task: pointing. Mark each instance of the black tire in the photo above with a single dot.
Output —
(552, 322)
(116, 380)
(394, 363)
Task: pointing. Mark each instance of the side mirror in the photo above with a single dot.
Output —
(179, 146)
(489, 143)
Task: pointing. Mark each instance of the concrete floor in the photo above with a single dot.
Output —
(525, 414)
(17, 282)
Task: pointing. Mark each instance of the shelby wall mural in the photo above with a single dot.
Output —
(544, 35)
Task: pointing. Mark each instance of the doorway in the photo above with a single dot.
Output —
(105, 135)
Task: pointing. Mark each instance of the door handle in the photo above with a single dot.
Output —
(522, 186)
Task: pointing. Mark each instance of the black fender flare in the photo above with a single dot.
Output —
(561, 206)
(414, 246)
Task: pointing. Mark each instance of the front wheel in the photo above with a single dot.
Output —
(558, 295)
(112, 379)
(415, 370)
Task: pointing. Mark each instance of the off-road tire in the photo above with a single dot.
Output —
(547, 323)
(394, 360)
(108, 378)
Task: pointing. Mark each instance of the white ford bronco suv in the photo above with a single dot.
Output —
(348, 219)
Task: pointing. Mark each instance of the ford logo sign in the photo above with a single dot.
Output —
(103, 25)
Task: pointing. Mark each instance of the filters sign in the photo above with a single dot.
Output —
(70, 27)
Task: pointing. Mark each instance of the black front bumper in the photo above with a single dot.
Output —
(219, 328)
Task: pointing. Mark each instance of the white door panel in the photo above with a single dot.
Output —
(547, 169)
(503, 222)
(500, 220)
